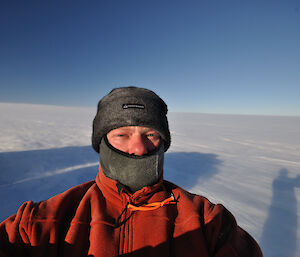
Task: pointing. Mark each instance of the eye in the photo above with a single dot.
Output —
(153, 135)
(121, 135)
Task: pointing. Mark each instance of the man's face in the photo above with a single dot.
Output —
(134, 139)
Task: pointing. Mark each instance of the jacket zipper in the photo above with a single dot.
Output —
(125, 227)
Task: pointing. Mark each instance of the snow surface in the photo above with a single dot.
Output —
(251, 164)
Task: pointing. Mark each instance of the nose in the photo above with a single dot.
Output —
(138, 146)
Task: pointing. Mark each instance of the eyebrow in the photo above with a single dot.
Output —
(127, 129)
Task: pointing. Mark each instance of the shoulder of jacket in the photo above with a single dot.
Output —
(192, 204)
(60, 205)
(209, 211)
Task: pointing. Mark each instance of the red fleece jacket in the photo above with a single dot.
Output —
(93, 219)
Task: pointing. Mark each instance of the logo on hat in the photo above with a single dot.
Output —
(138, 106)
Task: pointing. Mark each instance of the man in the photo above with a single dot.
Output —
(129, 210)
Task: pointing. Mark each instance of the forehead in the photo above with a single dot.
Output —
(132, 129)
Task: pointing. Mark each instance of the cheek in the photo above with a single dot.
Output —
(152, 144)
(156, 143)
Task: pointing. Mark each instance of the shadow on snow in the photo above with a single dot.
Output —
(279, 236)
(188, 169)
(40, 174)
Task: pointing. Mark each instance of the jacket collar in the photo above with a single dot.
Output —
(111, 190)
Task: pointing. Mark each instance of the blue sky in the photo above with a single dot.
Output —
(239, 57)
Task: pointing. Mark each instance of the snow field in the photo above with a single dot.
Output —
(250, 164)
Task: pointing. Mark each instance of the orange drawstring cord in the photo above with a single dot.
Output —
(144, 207)
(152, 206)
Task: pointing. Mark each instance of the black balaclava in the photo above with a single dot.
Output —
(131, 106)
(135, 172)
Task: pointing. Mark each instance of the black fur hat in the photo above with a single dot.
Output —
(130, 106)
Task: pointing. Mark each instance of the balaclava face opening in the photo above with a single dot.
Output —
(132, 171)
(131, 106)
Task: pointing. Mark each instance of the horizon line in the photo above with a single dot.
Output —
(175, 111)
